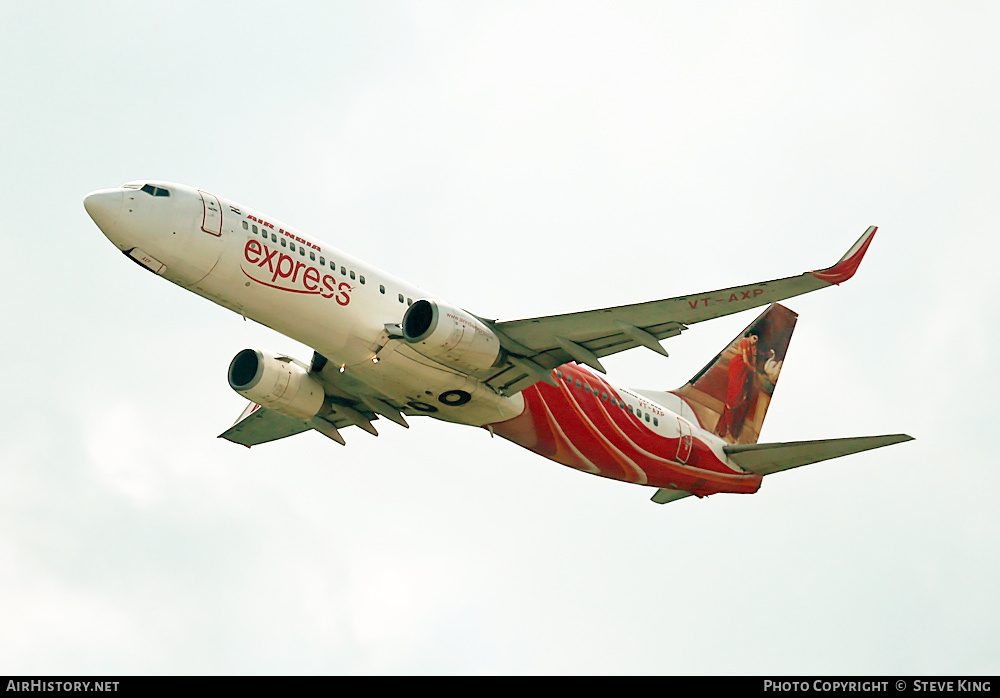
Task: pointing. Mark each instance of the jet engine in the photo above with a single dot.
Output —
(278, 383)
(450, 336)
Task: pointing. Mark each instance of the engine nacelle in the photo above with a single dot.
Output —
(450, 336)
(277, 383)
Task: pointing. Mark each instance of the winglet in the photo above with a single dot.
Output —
(848, 264)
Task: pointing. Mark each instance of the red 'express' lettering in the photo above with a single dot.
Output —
(297, 273)
(253, 247)
(310, 279)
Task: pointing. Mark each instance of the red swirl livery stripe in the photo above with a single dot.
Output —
(582, 430)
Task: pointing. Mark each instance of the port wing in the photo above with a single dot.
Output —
(537, 345)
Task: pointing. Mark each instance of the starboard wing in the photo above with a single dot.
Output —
(258, 425)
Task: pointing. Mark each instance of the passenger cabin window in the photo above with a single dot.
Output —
(381, 288)
(283, 243)
(400, 297)
(312, 256)
(245, 226)
(352, 275)
(362, 280)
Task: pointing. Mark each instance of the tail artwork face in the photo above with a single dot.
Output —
(731, 394)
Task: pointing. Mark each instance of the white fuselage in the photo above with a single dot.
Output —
(278, 276)
(349, 312)
(401, 351)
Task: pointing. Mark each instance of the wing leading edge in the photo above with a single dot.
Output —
(537, 345)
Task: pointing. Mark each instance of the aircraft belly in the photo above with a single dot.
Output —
(428, 388)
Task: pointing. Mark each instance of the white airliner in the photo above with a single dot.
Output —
(384, 348)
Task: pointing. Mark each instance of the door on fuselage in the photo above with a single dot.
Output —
(199, 240)
(211, 221)
(684, 443)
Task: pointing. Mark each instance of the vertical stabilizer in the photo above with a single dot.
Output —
(731, 394)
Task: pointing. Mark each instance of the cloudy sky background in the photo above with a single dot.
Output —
(519, 159)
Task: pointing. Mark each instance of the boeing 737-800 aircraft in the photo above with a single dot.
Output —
(383, 348)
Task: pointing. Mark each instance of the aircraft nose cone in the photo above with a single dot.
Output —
(104, 207)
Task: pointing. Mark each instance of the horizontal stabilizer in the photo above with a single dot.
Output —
(665, 495)
(767, 459)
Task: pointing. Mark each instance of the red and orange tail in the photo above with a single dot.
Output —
(731, 394)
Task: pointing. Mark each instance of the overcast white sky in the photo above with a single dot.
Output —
(519, 159)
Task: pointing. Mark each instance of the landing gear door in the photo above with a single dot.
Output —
(212, 220)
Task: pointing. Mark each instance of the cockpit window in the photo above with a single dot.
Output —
(155, 191)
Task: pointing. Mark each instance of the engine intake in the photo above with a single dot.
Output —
(450, 336)
(278, 383)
